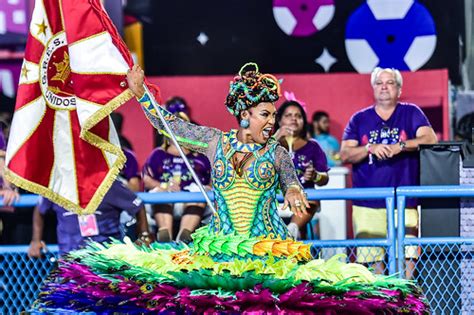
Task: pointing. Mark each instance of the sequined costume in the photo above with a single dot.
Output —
(245, 204)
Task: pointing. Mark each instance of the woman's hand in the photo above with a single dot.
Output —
(309, 173)
(296, 199)
(9, 196)
(171, 186)
(284, 131)
(135, 79)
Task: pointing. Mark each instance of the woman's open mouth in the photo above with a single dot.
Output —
(267, 132)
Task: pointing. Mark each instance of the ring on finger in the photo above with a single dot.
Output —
(298, 203)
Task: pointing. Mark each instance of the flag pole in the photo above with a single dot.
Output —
(180, 150)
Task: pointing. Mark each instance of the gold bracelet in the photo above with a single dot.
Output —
(297, 187)
(318, 177)
(144, 237)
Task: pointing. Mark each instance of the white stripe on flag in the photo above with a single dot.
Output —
(63, 176)
(85, 110)
(25, 121)
(30, 74)
(113, 139)
(39, 26)
(102, 56)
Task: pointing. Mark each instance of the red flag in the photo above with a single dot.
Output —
(62, 143)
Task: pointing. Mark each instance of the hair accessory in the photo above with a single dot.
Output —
(290, 96)
(249, 88)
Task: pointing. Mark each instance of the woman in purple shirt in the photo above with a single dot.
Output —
(308, 157)
(8, 194)
(165, 170)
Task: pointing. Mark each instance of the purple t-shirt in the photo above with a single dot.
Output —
(3, 147)
(311, 152)
(130, 169)
(118, 199)
(3, 144)
(162, 166)
(403, 170)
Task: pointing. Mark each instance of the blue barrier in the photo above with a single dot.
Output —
(29, 200)
(445, 266)
(405, 192)
(18, 301)
(387, 193)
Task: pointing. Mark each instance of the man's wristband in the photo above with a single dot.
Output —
(368, 148)
(403, 145)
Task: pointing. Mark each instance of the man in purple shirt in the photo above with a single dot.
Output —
(8, 193)
(131, 177)
(3, 144)
(73, 230)
(381, 141)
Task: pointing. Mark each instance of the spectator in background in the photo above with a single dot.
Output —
(130, 177)
(308, 157)
(9, 196)
(73, 230)
(381, 142)
(117, 119)
(130, 173)
(328, 143)
(3, 143)
(178, 104)
(465, 129)
(8, 193)
(165, 171)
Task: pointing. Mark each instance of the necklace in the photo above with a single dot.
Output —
(242, 147)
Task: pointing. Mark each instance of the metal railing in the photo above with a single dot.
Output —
(21, 277)
(445, 266)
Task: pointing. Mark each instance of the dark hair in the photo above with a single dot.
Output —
(465, 127)
(117, 119)
(318, 115)
(281, 110)
(177, 104)
(249, 88)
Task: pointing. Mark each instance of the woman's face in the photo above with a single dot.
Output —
(292, 118)
(262, 120)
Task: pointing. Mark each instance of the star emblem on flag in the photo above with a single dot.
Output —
(41, 28)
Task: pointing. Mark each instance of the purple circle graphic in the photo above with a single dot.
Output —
(302, 18)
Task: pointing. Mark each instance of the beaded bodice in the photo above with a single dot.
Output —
(246, 204)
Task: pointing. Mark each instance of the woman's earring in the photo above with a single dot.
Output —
(244, 123)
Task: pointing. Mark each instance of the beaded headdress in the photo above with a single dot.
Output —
(250, 88)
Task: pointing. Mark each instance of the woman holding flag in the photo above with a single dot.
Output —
(244, 260)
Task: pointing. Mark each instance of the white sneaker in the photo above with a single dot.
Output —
(294, 230)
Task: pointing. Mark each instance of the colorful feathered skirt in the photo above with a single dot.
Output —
(220, 274)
